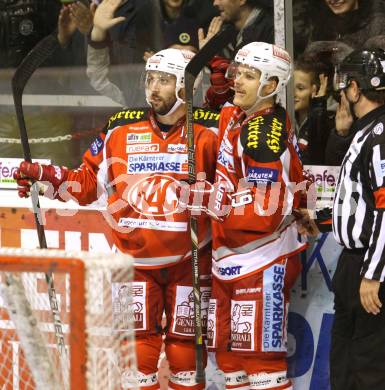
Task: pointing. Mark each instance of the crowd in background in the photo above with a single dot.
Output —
(99, 34)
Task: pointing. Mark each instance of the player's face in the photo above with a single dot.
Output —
(160, 91)
(246, 85)
(342, 6)
(229, 9)
(303, 90)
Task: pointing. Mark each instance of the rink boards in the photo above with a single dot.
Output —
(311, 311)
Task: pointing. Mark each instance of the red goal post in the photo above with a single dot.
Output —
(94, 299)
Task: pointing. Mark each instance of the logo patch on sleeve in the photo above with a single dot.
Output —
(378, 129)
(260, 175)
(96, 146)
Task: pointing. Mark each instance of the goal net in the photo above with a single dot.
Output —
(66, 321)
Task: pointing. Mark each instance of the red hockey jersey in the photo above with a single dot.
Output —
(257, 158)
(137, 168)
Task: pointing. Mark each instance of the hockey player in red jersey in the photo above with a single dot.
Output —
(137, 162)
(256, 245)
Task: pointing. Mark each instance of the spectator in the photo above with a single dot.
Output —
(22, 25)
(253, 19)
(119, 35)
(156, 16)
(312, 119)
(350, 21)
(74, 24)
(140, 27)
(181, 33)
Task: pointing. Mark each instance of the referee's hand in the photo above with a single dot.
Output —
(369, 296)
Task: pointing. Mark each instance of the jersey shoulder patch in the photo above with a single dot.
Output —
(206, 117)
(97, 145)
(126, 116)
(378, 131)
(264, 137)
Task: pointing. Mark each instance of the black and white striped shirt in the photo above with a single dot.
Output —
(359, 202)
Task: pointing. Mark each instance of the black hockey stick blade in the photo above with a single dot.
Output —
(39, 54)
(36, 57)
(198, 62)
(193, 68)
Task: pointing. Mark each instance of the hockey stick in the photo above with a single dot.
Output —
(31, 62)
(194, 67)
(40, 53)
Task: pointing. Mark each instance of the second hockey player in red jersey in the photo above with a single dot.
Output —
(255, 247)
(137, 162)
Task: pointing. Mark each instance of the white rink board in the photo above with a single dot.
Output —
(310, 314)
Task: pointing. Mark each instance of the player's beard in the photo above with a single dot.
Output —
(162, 105)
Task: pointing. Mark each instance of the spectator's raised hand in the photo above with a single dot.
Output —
(104, 19)
(215, 26)
(66, 26)
(344, 118)
(82, 16)
(323, 80)
(147, 54)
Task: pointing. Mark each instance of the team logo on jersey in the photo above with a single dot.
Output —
(253, 128)
(199, 113)
(154, 196)
(96, 146)
(177, 148)
(242, 325)
(211, 323)
(378, 129)
(141, 138)
(183, 323)
(274, 135)
(225, 155)
(261, 175)
(157, 163)
(128, 301)
(273, 334)
(126, 114)
(142, 148)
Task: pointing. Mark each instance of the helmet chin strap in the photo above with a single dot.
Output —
(176, 105)
(254, 107)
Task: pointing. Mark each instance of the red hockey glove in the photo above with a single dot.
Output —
(205, 197)
(28, 172)
(220, 91)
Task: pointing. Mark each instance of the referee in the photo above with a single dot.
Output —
(357, 358)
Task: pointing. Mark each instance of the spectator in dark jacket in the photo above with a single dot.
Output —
(350, 21)
(155, 16)
(22, 24)
(254, 20)
(313, 121)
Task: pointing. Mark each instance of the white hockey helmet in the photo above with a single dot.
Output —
(270, 60)
(171, 61)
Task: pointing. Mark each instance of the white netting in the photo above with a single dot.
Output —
(29, 353)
